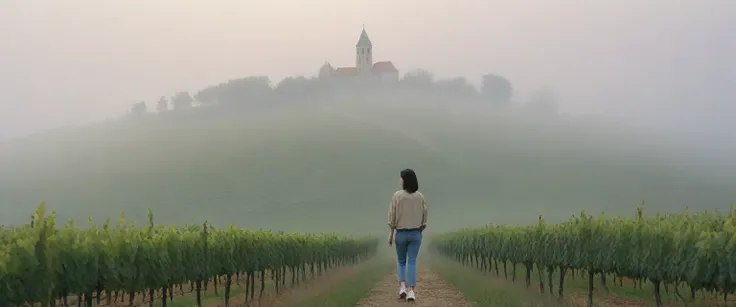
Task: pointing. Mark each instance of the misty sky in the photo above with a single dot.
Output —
(73, 61)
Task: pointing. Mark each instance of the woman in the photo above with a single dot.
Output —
(407, 217)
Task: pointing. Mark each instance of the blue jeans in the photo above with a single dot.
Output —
(407, 249)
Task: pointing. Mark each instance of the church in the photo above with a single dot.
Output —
(364, 65)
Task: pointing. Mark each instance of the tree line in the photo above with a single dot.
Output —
(494, 89)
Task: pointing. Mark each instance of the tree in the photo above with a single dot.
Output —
(496, 89)
(236, 91)
(182, 100)
(139, 108)
(297, 86)
(162, 105)
(458, 86)
(417, 79)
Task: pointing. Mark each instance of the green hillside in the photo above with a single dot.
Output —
(334, 168)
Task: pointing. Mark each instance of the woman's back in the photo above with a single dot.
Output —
(408, 210)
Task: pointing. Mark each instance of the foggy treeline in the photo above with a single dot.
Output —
(417, 84)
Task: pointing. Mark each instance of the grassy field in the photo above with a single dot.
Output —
(334, 168)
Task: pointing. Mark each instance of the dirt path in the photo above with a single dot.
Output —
(431, 291)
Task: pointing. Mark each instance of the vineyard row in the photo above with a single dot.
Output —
(696, 249)
(41, 263)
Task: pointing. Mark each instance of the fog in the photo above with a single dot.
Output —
(564, 98)
(324, 155)
(665, 63)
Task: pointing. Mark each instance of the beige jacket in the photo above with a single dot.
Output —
(407, 211)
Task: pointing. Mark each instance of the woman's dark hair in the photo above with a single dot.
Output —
(409, 178)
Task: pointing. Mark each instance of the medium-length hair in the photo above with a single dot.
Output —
(410, 182)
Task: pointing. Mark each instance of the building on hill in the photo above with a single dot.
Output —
(364, 65)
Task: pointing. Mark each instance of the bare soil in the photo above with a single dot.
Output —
(431, 291)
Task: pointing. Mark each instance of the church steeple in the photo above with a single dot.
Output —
(363, 50)
(364, 41)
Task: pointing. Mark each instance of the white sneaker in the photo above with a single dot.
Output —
(402, 293)
(410, 296)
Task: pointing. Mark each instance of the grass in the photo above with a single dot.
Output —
(339, 287)
(626, 290)
(478, 288)
(209, 297)
(350, 291)
(489, 289)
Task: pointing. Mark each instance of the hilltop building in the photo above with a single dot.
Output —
(364, 65)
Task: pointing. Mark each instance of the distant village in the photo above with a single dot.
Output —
(364, 65)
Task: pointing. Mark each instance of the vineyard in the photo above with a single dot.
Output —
(41, 263)
(694, 250)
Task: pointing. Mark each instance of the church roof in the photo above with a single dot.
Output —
(384, 67)
(346, 71)
(327, 67)
(364, 40)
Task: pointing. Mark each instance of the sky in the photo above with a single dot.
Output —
(670, 63)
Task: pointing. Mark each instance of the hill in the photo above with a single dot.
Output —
(334, 166)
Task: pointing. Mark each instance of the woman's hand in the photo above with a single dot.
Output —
(391, 238)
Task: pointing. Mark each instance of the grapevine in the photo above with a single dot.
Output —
(696, 249)
(41, 263)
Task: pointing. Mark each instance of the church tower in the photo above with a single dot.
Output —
(364, 54)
